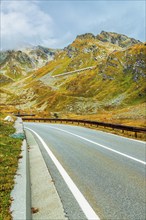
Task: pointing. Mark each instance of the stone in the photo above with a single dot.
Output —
(8, 118)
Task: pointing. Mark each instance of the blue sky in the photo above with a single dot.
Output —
(56, 24)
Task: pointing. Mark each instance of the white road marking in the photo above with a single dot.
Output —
(100, 145)
(83, 203)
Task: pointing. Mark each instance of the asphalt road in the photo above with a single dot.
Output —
(108, 170)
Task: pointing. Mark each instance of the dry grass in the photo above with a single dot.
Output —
(10, 149)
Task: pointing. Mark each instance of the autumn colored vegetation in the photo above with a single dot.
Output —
(114, 91)
(10, 149)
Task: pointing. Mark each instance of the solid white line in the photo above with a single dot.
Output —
(83, 203)
(100, 145)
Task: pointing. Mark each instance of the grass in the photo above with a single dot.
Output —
(10, 149)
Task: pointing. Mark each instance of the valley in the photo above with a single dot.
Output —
(113, 91)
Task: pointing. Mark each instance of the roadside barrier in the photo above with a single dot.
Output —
(87, 122)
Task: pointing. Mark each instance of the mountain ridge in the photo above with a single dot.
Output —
(15, 63)
(111, 37)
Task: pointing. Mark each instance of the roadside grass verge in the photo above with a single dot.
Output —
(10, 149)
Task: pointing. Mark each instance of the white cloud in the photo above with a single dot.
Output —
(24, 23)
(56, 23)
(123, 17)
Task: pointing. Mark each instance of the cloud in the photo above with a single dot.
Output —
(125, 17)
(24, 23)
(56, 23)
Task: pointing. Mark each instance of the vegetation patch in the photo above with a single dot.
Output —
(10, 149)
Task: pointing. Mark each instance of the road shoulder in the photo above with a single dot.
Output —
(45, 199)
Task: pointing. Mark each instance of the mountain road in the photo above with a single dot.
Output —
(97, 175)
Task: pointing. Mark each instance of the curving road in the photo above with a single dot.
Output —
(108, 171)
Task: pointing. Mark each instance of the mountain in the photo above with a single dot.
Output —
(17, 63)
(111, 89)
(111, 37)
(119, 39)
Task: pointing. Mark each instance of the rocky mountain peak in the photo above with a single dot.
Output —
(20, 62)
(119, 39)
(86, 36)
(43, 50)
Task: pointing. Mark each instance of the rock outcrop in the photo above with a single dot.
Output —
(119, 39)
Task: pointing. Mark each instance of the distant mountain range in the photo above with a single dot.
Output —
(14, 64)
(117, 80)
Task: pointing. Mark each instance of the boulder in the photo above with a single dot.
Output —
(8, 118)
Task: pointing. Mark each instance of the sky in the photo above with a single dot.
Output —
(55, 24)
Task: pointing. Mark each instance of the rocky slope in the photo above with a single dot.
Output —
(116, 82)
(17, 63)
(119, 39)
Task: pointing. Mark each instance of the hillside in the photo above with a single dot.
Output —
(17, 63)
(109, 91)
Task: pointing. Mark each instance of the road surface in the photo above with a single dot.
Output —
(74, 71)
(108, 171)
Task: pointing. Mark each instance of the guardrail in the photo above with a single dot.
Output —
(21, 115)
(87, 122)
